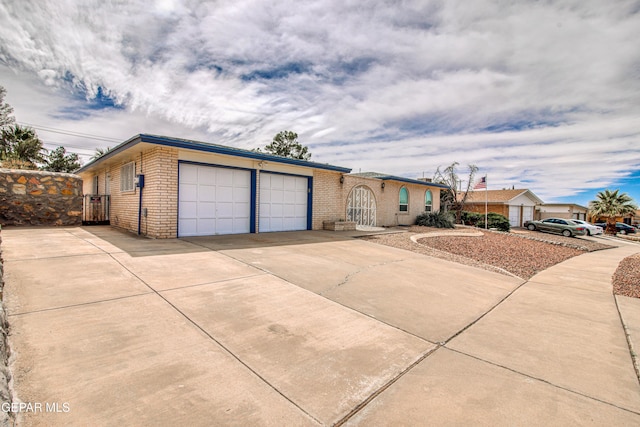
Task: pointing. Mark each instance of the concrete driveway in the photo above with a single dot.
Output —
(308, 328)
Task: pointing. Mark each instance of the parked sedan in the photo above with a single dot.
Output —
(566, 227)
(621, 227)
(591, 229)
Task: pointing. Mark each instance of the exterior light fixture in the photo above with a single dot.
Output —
(382, 185)
(341, 179)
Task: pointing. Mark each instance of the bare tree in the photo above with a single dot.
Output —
(453, 198)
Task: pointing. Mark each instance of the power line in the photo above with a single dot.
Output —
(72, 133)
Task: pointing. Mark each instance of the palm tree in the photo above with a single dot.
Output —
(100, 152)
(21, 145)
(611, 205)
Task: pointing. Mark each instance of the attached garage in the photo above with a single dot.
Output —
(284, 202)
(214, 200)
(193, 188)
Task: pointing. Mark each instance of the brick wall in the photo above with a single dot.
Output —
(159, 165)
(30, 197)
(160, 194)
(498, 208)
(327, 198)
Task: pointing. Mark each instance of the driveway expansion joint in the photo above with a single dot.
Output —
(542, 380)
(385, 386)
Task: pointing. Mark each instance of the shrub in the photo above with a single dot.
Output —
(435, 219)
(471, 218)
(497, 221)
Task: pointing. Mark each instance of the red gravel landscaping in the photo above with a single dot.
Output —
(521, 255)
(626, 279)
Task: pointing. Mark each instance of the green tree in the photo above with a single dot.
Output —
(286, 144)
(453, 198)
(610, 205)
(59, 161)
(6, 119)
(20, 147)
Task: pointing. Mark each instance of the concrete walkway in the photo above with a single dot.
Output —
(309, 328)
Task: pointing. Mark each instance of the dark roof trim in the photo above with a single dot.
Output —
(385, 177)
(209, 148)
(410, 181)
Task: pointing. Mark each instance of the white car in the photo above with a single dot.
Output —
(591, 229)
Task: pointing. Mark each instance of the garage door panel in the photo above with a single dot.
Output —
(289, 183)
(224, 194)
(277, 211)
(206, 175)
(206, 210)
(224, 177)
(206, 193)
(277, 182)
(283, 202)
(224, 210)
(188, 175)
(514, 216)
(277, 196)
(301, 197)
(188, 226)
(242, 210)
(242, 195)
(301, 212)
(188, 192)
(213, 200)
(241, 179)
(206, 225)
(289, 197)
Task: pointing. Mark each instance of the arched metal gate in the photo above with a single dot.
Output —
(361, 206)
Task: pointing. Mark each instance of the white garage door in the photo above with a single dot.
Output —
(213, 200)
(527, 214)
(514, 216)
(283, 202)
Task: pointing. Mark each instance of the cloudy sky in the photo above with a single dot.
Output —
(538, 94)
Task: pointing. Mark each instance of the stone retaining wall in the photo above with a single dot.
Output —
(40, 198)
(6, 418)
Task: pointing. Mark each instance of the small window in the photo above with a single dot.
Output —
(127, 175)
(404, 200)
(428, 201)
(94, 185)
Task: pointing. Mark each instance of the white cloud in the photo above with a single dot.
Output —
(542, 94)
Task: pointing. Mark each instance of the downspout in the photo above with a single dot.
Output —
(140, 184)
(140, 210)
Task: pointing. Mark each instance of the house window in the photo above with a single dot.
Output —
(127, 175)
(404, 200)
(94, 185)
(428, 201)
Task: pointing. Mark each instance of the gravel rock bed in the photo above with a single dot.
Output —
(521, 255)
(626, 279)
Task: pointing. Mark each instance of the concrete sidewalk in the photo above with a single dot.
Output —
(309, 328)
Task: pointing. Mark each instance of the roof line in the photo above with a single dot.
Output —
(210, 148)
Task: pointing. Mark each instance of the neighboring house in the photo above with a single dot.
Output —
(517, 205)
(563, 210)
(168, 187)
